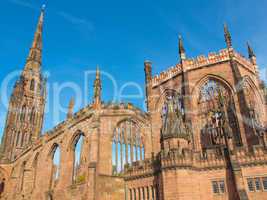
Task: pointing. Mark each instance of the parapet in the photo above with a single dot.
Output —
(199, 62)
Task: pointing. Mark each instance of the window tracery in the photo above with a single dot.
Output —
(127, 146)
(211, 95)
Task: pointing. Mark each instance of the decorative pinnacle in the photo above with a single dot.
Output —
(97, 72)
(250, 51)
(97, 88)
(71, 106)
(227, 36)
(181, 48)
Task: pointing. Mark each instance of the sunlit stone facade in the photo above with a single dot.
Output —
(203, 136)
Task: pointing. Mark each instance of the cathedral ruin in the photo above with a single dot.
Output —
(203, 136)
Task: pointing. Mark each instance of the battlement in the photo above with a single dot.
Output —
(257, 156)
(196, 161)
(198, 62)
(166, 75)
(140, 168)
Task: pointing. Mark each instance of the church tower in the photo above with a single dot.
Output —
(27, 102)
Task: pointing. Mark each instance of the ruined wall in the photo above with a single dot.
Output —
(30, 176)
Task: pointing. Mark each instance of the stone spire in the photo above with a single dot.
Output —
(251, 54)
(181, 49)
(250, 51)
(34, 59)
(27, 101)
(97, 89)
(227, 36)
(70, 109)
(148, 82)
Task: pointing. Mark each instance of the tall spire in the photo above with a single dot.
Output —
(34, 59)
(181, 48)
(97, 89)
(227, 36)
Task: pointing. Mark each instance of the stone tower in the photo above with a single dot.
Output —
(26, 107)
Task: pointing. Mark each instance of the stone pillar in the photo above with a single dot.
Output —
(154, 192)
(139, 194)
(129, 195)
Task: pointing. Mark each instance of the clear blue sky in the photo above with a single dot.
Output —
(118, 36)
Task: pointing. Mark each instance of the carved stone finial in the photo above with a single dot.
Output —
(181, 49)
(227, 36)
(97, 89)
(70, 109)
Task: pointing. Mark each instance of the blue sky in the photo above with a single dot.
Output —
(118, 36)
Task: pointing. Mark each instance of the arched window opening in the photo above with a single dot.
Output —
(33, 116)
(23, 113)
(32, 85)
(78, 172)
(55, 165)
(211, 95)
(127, 146)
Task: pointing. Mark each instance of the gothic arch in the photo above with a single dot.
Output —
(206, 104)
(254, 99)
(139, 123)
(128, 145)
(77, 152)
(161, 99)
(75, 137)
(53, 148)
(205, 79)
(250, 82)
(55, 163)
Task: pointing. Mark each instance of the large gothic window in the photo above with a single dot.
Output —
(55, 165)
(211, 94)
(127, 146)
(78, 173)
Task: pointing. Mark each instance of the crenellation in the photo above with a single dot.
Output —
(191, 64)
